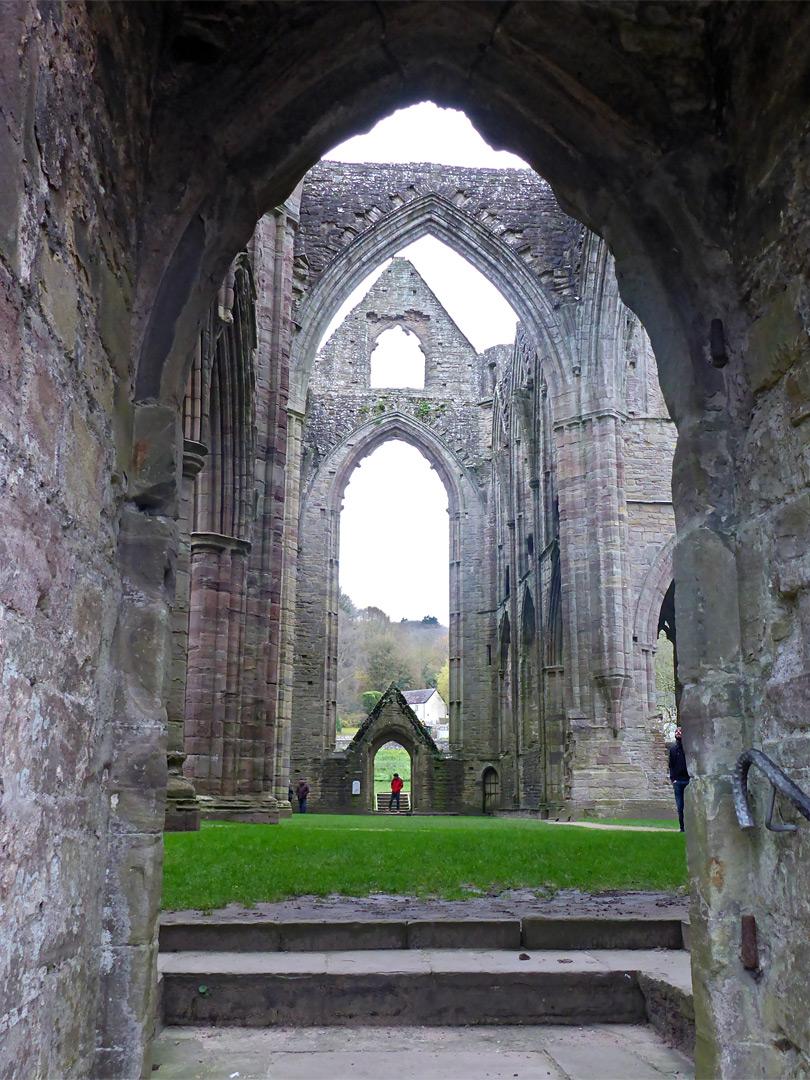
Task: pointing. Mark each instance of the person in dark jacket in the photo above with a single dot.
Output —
(678, 773)
(301, 791)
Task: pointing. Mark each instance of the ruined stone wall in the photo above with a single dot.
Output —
(597, 428)
(437, 779)
(343, 201)
(346, 419)
(619, 771)
(680, 134)
(340, 395)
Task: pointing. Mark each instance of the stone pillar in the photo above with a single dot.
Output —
(134, 780)
(612, 665)
(182, 805)
(455, 659)
(595, 593)
(295, 425)
(266, 699)
(216, 634)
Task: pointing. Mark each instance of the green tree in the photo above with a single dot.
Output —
(389, 661)
(370, 699)
(443, 682)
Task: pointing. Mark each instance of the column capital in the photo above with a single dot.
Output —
(194, 455)
(217, 543)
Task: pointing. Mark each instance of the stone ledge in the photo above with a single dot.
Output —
(213, 934)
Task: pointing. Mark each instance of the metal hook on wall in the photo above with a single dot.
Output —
(779, 781)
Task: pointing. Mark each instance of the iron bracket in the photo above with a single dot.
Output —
(779, 781)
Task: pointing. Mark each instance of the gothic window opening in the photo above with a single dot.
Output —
(529, 619)
(506, 639)
(667, 685)
(397, 361)
(393, 575)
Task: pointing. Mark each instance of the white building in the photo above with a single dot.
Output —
(430, 708)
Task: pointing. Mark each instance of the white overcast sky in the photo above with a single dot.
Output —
(394, 527)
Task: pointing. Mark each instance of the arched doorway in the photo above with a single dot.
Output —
(319, 552)
(491, 792)
(388, 760)
(434, 776)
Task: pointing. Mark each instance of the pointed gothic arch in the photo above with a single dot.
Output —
(656, 582)
(319, 562)
(429, 214)
(339, 465)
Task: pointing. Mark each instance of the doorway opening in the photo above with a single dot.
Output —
(390, 761)
(490, 783)
(667, 686)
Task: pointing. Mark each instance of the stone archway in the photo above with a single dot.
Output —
(430, 214)
(390, 742)
(318, 561)
(436, 779)
(682, 141)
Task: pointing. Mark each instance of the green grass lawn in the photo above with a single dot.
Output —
(447, 857)
(650, 823)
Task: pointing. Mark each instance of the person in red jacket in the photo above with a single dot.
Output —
(396, 788)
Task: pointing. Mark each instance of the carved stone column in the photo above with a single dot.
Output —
(216, 635)
(182, 805)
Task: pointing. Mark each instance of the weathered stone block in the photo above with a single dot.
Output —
(156, 459)
(59, 297)
(776, 339)
(147, 551)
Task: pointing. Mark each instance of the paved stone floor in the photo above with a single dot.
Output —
(603, 1052)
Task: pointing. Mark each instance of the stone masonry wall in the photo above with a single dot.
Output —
(347, 419)
(139, 143)
(88, 546)
(517, 205)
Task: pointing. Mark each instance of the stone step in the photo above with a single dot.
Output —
(421, 986)
(215, 934)
(547, 1052)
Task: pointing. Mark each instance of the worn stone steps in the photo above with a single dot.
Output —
(418, 986)
(215, 934)
(547, 1052)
